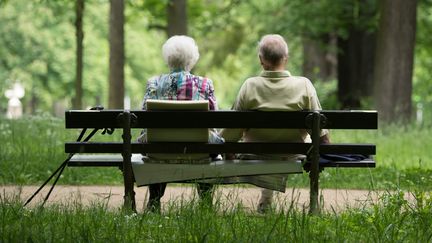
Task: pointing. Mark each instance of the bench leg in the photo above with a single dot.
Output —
(313, 197)
(129, 196)
(314, 170)
(128, 179)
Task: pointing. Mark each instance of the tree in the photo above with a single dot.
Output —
(394, 59)
(355, 67)
(319, 57)
(116, 59)
(356, 50)
(79, 9)
(176, 17)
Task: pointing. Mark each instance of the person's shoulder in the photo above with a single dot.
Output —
(201, 78)
(300, 79)
(253, 80)
(156, 78)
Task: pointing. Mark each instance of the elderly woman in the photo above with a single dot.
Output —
(180, 54)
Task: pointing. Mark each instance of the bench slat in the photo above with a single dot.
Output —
(189, 147)
(345, 148)
(96, 160)
(351, 119)
(367, 163)
(116, 160)
(357, 164)
(221, 119)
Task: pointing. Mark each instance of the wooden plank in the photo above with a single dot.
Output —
(368, 163)
(221, 119)
(351, 164)
(351, 119)
(346, 148)
(92, 119)
(190, 147)
(188, 119)
(116, 160)
(96, 160)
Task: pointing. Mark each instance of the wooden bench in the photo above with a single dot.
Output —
(119, 154)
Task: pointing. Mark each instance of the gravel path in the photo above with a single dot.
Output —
(227, 195)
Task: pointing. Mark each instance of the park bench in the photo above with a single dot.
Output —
(125, 154)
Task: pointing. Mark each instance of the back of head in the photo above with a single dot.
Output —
(273, 49)
(180, 52)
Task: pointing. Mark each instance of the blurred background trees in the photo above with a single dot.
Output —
(356, 52)
(116, 54)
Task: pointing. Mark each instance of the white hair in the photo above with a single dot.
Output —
(273, 48)
(180, 51)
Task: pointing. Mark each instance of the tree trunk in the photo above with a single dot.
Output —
(116, 60)
(319, 62)
(79, 10)
(355, 68)
(177, 17)
(394, 59)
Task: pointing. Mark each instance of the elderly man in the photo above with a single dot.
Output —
(275, 89)
(180, 54)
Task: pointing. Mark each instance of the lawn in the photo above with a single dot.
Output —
(391, 219)
(32, 148)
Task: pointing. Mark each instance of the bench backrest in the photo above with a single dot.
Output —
(177, 135)
(223, 119)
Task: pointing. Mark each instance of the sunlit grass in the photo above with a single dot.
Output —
(400, 146)
(33, 148)
(391, 219)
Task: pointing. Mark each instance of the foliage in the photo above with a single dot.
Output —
(422, 82)
(28, 49)
(391, 219)
(37, 43)
(314, 18)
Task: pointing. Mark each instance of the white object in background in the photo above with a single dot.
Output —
(419, 113)
(14, 109)
(127, 103)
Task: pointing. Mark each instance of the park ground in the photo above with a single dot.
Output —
(231, 196)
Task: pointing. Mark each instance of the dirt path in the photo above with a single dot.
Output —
(227, 195)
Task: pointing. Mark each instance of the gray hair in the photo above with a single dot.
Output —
(180, 51)
(273, 48)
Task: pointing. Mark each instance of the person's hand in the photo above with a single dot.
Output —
(229, 156)
(325, 139)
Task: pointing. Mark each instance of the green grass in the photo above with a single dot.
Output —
(391, 219)
(32, 148)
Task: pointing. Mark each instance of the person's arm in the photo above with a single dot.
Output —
(314, 104)
(235, 134)
(211, 96)
(151, 92)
